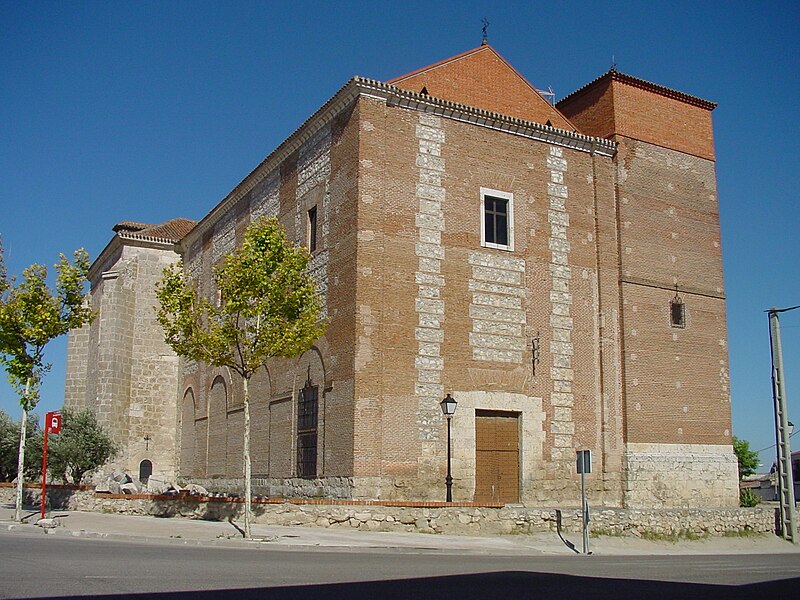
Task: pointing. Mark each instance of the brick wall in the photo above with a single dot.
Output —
(432, 301)
(482, 78)
(620, 104)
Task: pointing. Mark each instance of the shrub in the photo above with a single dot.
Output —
(748, 498)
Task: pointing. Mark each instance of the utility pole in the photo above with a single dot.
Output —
(788, 514)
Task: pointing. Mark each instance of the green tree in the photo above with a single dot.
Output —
(267, 307)
(80, 448)
(9, 448)
(31, 315)
(748, 459)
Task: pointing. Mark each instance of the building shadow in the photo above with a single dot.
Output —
(495, 586)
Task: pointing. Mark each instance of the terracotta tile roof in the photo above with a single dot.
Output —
(173, 230)
(615, 75)
(131, 226)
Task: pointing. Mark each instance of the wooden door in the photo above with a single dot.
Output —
(496, 457)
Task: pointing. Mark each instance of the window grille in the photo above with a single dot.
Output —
(307, 411)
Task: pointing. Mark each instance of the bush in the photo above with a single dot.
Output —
(748, 498)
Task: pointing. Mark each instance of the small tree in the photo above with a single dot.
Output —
(747, 458)
(80, 448)
(268, 307)
(9, 448)
(32, 314)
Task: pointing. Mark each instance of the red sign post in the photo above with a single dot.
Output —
(52, 424)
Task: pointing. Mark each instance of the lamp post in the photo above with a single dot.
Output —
(448, 408)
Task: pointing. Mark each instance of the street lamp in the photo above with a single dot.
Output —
(448, 408)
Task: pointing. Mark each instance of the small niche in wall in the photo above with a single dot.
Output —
(677, 311)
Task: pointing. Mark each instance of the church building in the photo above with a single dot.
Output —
(555, 269)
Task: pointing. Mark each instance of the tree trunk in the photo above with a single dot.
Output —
(247, 471)
(23, 430)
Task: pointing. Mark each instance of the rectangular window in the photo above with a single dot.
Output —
(307, 409)
(677, 312)
(312, 230)
(497, 219)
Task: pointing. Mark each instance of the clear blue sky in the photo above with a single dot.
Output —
(113, 111)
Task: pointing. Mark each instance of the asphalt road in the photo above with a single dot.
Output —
(52, 566)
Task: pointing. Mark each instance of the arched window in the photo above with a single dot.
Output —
(145, 470)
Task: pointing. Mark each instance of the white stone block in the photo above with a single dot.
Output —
(426, 334)
(495, 288)
(425, 132)
(427, 376)
(433, 220)
(489, 313)
(429, 390)
(561, 374)
(430, 363)
(564, 348)
(557, 190)
(496, 275)
(431, 207)
(430, 236)
(428, 147)
(560, 322)
(430, 265)
(562, 361)
(484, 259)
(558, 245)
(424, 305)
(430, 120)
(561, 399)
(556, 164)
(429, 250)
(432, 163)
(501, 342)
(429, 320)
(497, 327)
(429, 279)
(429, 349)
(495, 355)
(559, 218)
(485, 299)
(430, 177)
(560, 271)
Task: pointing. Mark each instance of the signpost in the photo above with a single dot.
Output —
(584, 462)
(52, 424)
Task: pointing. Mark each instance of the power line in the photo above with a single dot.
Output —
(773, 445)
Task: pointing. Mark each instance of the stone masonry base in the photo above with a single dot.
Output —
(419, 517)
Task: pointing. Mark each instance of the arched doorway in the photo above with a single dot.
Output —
(145, 470)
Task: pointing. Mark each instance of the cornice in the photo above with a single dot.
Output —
(122, 239)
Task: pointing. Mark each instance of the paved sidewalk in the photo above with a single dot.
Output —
(187, 531)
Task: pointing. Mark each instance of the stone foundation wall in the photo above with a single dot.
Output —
(420, 517)
(336, 488)
(681, 475)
